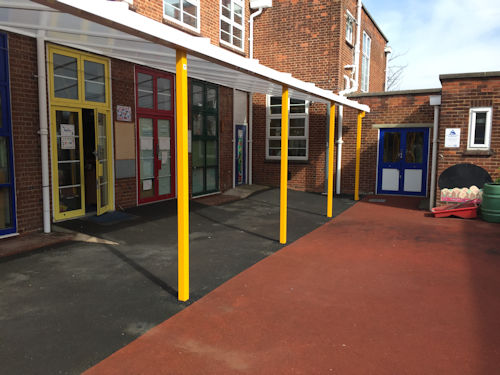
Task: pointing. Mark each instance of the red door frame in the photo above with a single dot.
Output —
(155, 114)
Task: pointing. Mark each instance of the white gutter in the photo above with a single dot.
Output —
(44, 142)
(435, 100)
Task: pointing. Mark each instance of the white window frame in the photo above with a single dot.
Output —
(181, 10)
(232, 24)
(471, 145)
(349, 27)
(270, 116)
(365, 62)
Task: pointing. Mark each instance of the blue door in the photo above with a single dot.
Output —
(240, 155)
(7, 201)
(402, 161)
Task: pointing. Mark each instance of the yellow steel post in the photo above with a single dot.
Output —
(358, 156)
(284, 164)
(329, 210)
(182, 175)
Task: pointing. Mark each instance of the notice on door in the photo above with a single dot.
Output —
(452, 137)
(67, 137)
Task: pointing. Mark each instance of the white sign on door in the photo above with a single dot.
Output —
(67, 137)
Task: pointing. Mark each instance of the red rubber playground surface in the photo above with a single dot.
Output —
(381, 289)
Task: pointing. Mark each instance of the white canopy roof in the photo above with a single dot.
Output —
(110, 29)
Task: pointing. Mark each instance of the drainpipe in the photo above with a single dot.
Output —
(349, 89)
(263, 5)
(435, 100)
(387, 51)
(340, 142)
(44, 141)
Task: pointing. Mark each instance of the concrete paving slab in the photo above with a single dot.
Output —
(66, 307)
(382, 289)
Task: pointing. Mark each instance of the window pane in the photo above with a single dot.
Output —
(164, 94)
(4, 161)
(197, 124)
(391, 147)
(480, 129)
(5, 208)
(211, 179)
(237, 33)
(211, 153)
(211, 126)
(225, 27)
(189, 20)
(172, 9)
(275, 100)
(414, 147)
(145, 90)
(189, 8)
(211, 98)
(95, 87)
(275, 127)
(198, 153)
(197, 96)
(297, 127)
(65, 77)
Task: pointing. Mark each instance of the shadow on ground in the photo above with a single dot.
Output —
(67, 307)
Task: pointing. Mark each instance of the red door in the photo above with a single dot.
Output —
(155, 135)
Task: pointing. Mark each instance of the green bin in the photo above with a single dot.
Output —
(490, 206)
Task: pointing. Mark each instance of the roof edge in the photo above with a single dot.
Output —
(443, 77)
(375, 23)
(394, 93)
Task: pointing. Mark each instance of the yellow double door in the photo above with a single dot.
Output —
(81, 161)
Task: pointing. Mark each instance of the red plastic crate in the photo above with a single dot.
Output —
(466, 210)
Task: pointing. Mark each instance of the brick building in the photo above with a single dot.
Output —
(402, 122)
(316, 41)
(88, 103)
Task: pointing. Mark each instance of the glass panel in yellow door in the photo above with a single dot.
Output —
(68, 167)
(102, 166)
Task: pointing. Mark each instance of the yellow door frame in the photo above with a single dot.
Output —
(58, 215)
(99, 170)
(75, 105)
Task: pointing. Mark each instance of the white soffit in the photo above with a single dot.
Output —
(115, 31)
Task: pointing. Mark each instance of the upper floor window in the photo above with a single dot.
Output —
(184, 12)
(349, 27)
(479, 128)
(365, 62)
(232, 29)
(298, 133)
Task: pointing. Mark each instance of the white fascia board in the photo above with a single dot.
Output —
(118, 17)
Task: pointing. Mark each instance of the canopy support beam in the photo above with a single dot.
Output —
(331, 135)
(284, 164)
(182, 175)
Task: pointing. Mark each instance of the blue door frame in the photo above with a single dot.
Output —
(240, 153)
(403, 154)
(6, 166)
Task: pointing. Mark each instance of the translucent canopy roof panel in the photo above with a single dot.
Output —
(109, 28)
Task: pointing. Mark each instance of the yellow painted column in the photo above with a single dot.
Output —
(331, 137)
(284, 164)
(182, 175)
(358, 155)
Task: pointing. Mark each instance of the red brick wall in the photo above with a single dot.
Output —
(384, 109)
(123, 91)
(304, 175)
(25, 125)
(459, 95)
(377, 58)
(225, 138)
(209, 19)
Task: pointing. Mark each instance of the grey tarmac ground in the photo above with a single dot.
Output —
(66, 307)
